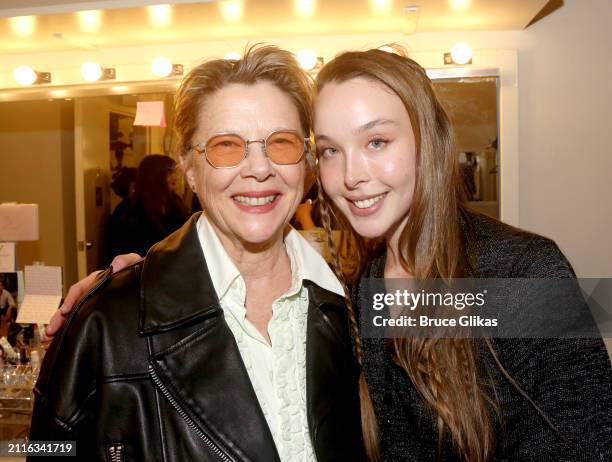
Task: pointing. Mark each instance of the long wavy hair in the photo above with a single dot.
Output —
(444, 371)
(153, 192)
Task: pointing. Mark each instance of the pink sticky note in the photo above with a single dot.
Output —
(150, 114)
(18, 222)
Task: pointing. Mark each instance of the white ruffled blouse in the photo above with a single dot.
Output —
(277, 370)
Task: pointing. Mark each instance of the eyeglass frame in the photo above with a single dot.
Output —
(200, 148)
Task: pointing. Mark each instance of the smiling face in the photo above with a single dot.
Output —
(367, 154)
(172, 179)
(251, 203)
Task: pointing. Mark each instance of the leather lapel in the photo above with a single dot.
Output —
(205, 374)
(193, 352)
(328, 352)
(175, 282)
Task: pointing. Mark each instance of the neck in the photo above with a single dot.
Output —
(266, 270)
(257, 261)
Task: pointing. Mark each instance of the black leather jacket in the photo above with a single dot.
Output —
(146, 368)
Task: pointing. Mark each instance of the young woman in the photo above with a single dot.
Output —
(389, 173)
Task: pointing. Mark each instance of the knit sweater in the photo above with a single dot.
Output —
(570, 380)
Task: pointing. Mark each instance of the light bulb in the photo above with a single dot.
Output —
(25, 75)
(388, 49)
(232, 56)
(91, 71)
(307, 59)
(161, 66)
(461, 53)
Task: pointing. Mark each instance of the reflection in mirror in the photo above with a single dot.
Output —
(471, 104)
(111, 148)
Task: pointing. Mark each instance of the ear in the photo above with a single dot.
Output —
(188, 168)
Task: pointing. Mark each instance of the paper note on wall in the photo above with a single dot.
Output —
(18, 222)
(43, 294)
(7, 257)
(150, 114)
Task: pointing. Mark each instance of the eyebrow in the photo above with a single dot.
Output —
(373, 124)
(237, 132)
(360, 129)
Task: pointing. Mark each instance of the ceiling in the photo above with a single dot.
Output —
(63, 25)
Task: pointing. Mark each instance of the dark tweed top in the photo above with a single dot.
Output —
(569, 379)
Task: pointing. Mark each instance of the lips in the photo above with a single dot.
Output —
(366, 205)
(256, 201)
(253, 201)
(369, 202)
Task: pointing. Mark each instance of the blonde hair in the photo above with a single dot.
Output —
(260, 63)
(444, 371)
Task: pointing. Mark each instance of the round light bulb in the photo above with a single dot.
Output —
(25, 75)
(161, 66)
(461, 53)
(388, 49)
(91, 71)
(232, 56)
(307, 59)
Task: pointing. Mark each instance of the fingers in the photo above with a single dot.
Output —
(123, 261)
(79, 289)
(55, 323)
(75, 292)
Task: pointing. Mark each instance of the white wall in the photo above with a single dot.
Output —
(565, 123)
(565, 81)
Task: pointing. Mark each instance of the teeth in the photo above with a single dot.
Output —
(368, 202)
(251, 201)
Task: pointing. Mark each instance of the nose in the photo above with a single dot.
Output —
(355, 169)
(257, 164)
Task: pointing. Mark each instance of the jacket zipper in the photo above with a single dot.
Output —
(212, 446)
(115, 452)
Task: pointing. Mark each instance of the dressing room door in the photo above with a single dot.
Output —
(92, 157)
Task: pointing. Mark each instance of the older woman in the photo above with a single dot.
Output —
(200, 351)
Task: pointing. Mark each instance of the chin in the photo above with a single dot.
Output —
(262, 232)
(259, 239)
(370, 230)
(370, 234)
